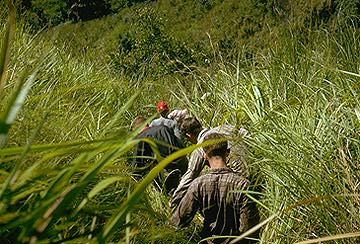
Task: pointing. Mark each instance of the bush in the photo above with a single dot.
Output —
(148, 50)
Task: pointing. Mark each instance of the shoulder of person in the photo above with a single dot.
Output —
(197, 182)
(242, 181)
(153, 130)
(170, 121)
(226, 128)
(178, 114)
(154, 122)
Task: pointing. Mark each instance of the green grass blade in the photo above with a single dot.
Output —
(6, 45)
(98, 188)
(60, 148)
(14, 106)
(19, 101)
(331, 238)
(123, 109)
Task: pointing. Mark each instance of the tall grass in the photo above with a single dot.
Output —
(63, 167)
(300, 105)
(64, 171)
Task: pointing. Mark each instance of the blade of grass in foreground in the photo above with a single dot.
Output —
(98, 188)
(59, 148)
(15, 103)
(61, 194)
(6, 46)
(17, 99)
(121, 112)
(8, 118)
(331, 238)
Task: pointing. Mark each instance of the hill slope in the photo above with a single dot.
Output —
(168, 36)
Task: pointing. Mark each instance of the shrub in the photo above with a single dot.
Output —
(148, 50)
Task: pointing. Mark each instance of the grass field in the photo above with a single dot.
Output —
(65, 138)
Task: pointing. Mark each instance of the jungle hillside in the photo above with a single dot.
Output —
(75, 73)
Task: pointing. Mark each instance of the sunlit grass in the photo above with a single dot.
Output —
(302, 120)
(64, 173)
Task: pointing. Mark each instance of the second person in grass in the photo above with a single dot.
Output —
(147, 154)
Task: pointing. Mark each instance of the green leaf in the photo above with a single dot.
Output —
(6, 45)
(15, 103)
(103, 184)
(19, 101)
(98, 188)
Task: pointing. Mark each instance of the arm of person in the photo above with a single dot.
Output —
(195, 166)
(249, 217)
(187, 208)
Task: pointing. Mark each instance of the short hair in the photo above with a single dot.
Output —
(190, 125)
(216, 149)
(139, 120)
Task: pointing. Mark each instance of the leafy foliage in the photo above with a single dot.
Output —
(148, 49)
(41, 13)
(287, 71)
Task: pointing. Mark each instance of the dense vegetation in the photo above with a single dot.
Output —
(70, 87)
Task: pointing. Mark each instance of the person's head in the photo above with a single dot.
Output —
(190, 128)
(139, 120)
(163, 108)
(219, 149)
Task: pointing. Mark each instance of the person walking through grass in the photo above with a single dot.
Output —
(166, 143)
(192, 130)
(218, 196)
